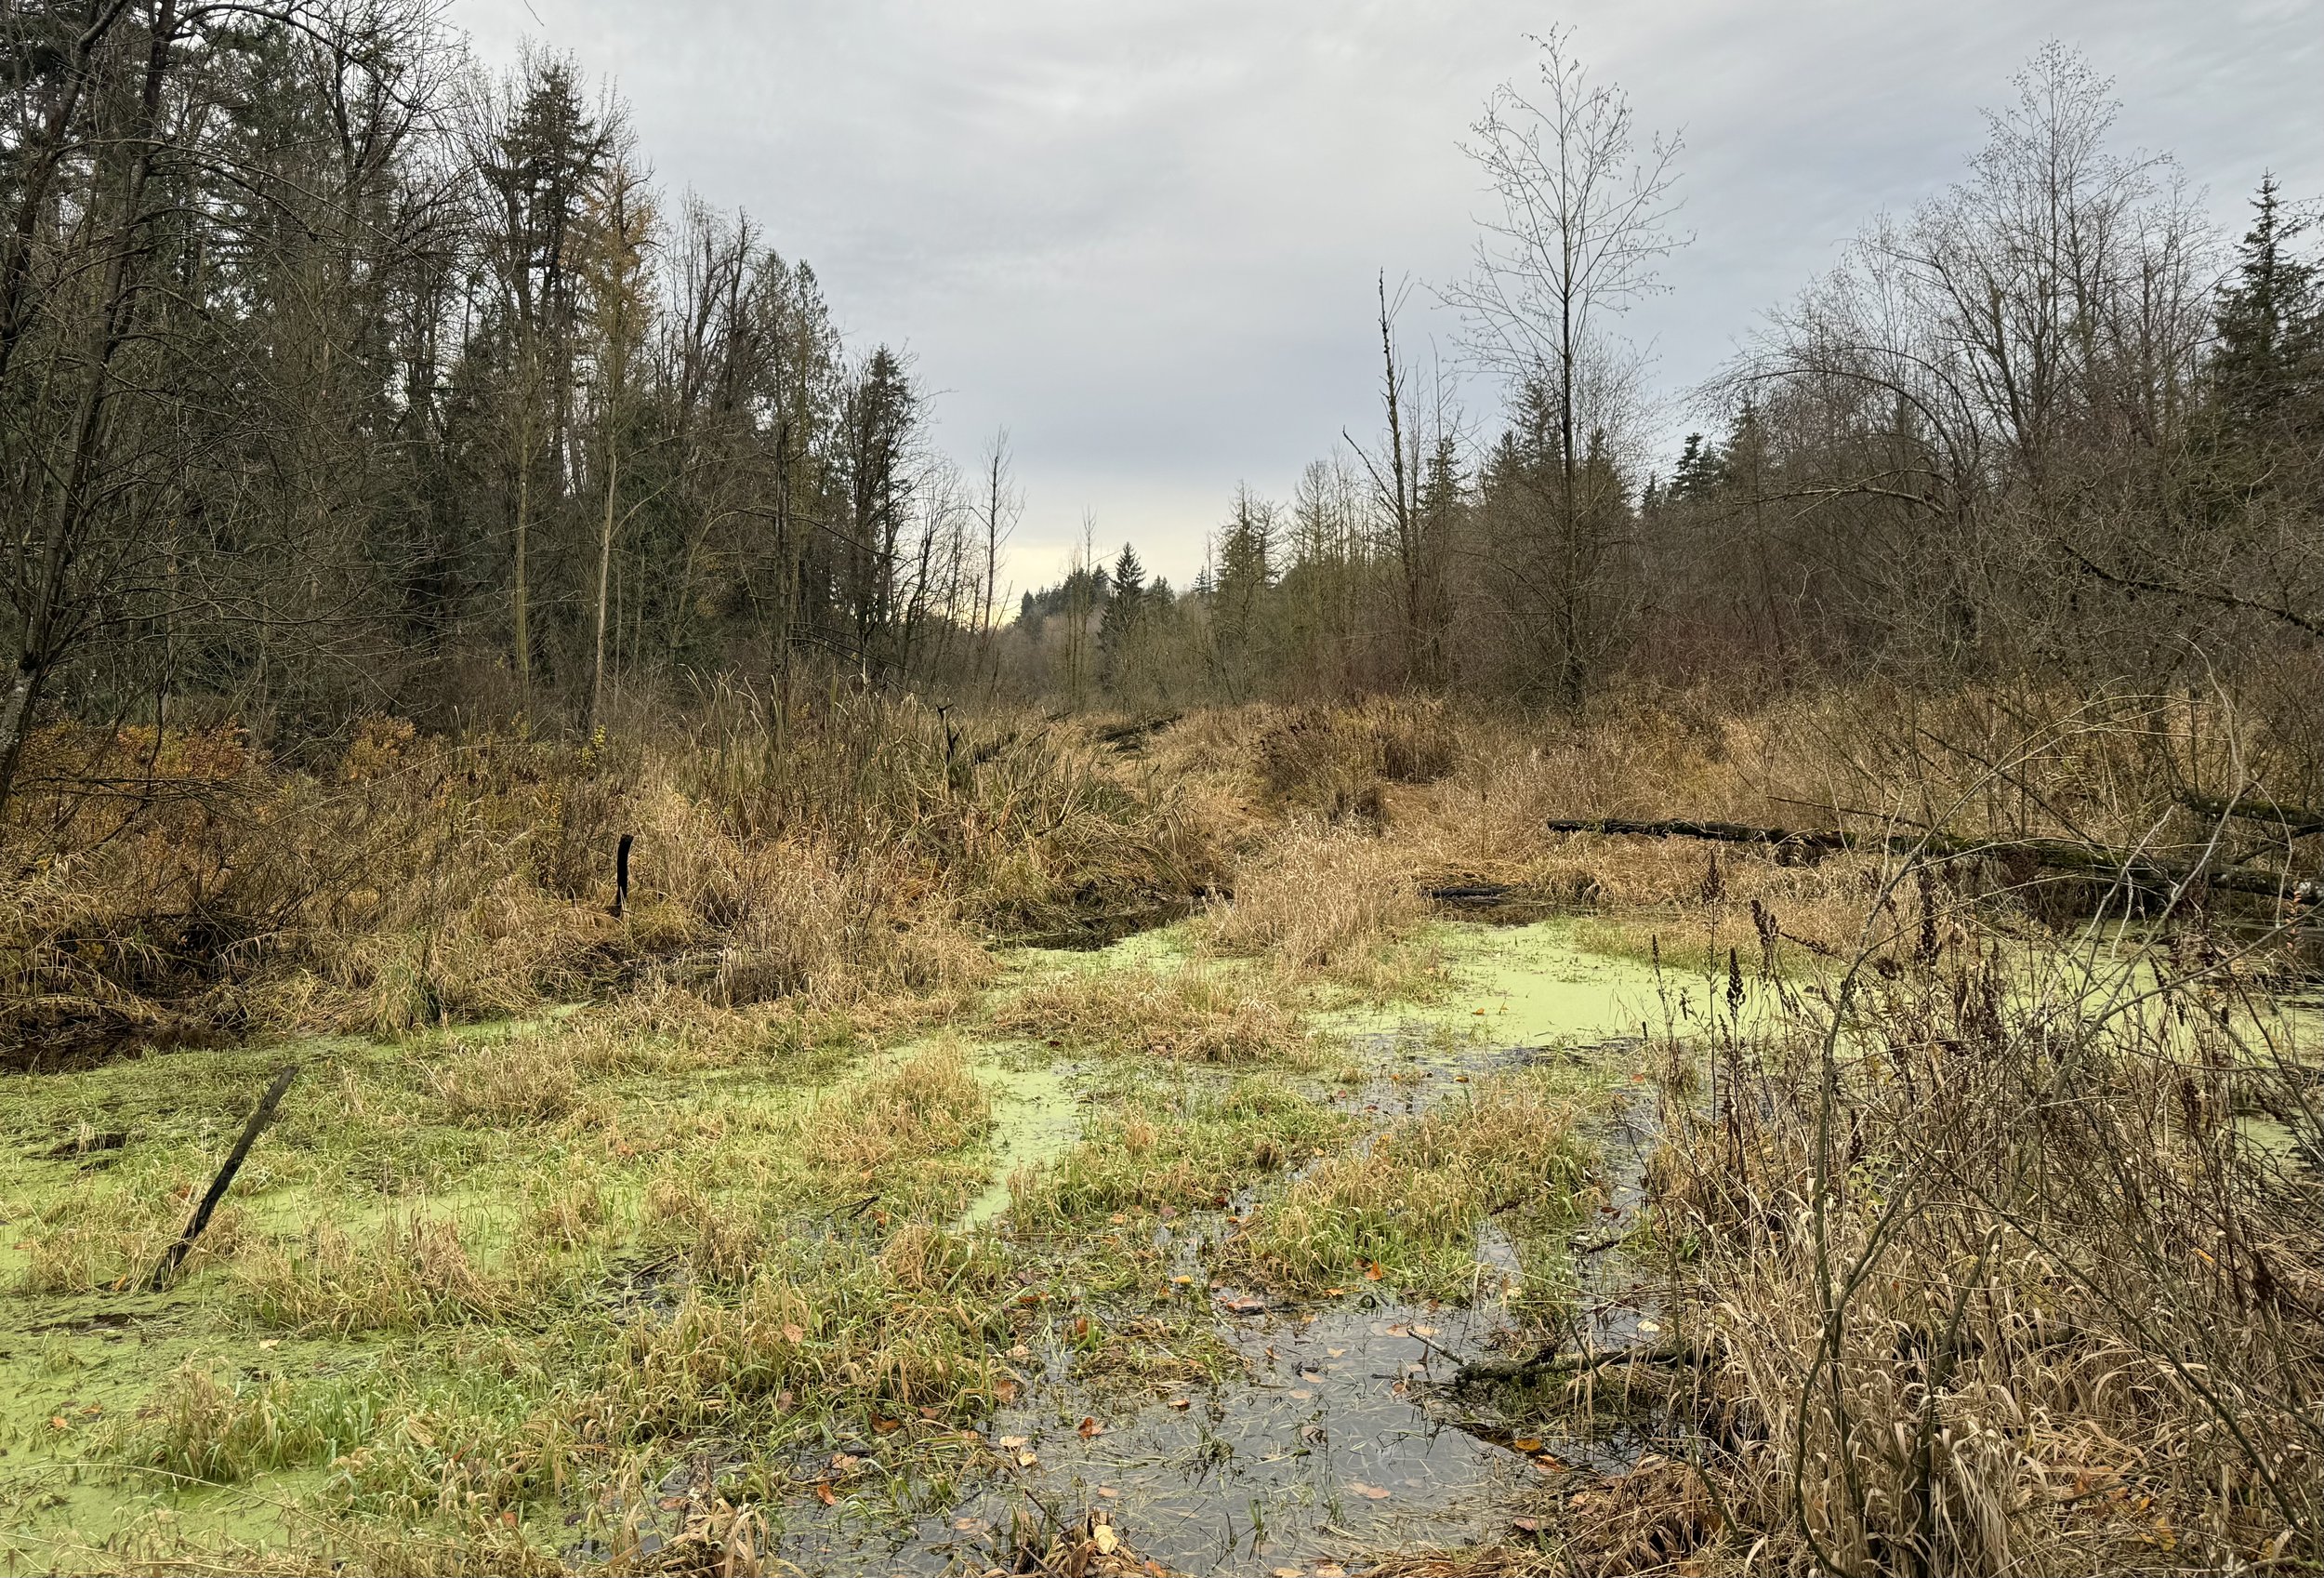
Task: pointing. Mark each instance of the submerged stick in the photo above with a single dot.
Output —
(1553, 1363)
(225, 1179)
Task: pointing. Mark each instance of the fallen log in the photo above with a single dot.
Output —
(2060, 854)
(225, 1179)
(2297, 821)
(1470, 892)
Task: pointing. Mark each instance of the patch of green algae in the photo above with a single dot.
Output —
(1545, 984)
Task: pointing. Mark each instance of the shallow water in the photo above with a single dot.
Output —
(1341, 1438)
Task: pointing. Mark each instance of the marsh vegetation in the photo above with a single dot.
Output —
(1547, 1013)
(1330, 1224)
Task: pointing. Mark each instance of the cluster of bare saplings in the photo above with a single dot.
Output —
(407, 504)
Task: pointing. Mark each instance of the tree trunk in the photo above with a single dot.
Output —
(604, 574)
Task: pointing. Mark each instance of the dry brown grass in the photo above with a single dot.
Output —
(2013, 1292)
(107, 1237)
(411, 1272)
(927, 1102)
(847, 856)
(1198, 1012)
(1321, 899)
(528, 1078)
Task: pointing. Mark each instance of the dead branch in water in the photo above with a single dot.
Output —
(225, 1179)
(1555, 1362)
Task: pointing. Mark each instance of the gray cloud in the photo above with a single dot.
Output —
(1142, 235)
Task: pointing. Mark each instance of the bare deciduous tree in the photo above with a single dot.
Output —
(1584, 220)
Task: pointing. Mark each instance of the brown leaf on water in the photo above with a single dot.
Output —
(823, 1493)
(1369, 1492)
(1089, 1427)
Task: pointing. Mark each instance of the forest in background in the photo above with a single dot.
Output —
(340, 378)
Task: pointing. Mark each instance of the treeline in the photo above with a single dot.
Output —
(338, 376)
(2046, 424)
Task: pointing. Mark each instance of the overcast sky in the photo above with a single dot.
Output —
(1143, 234)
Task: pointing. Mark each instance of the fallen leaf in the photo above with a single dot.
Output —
(823, 1493)
(1369, 1492)
(844, 1463)
(1118, 1218)
(1089, 1427)
(56, 1421)
(1021, 1351)
(1526, 1444)
(1028, 1459)
(1011, 1443)
(1529, 1525)
(1648, 1326)
(1330, 1570)
(794, 1333)
(887, 1426)
(1424, 1331)
(672, 1504)
(1181, 1403)
(1375, 1272)
(1336, 1353)
(1288, 1572)
(1108, 1491)
(270, 1342)
(1103, 1536)
(969, 1525)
